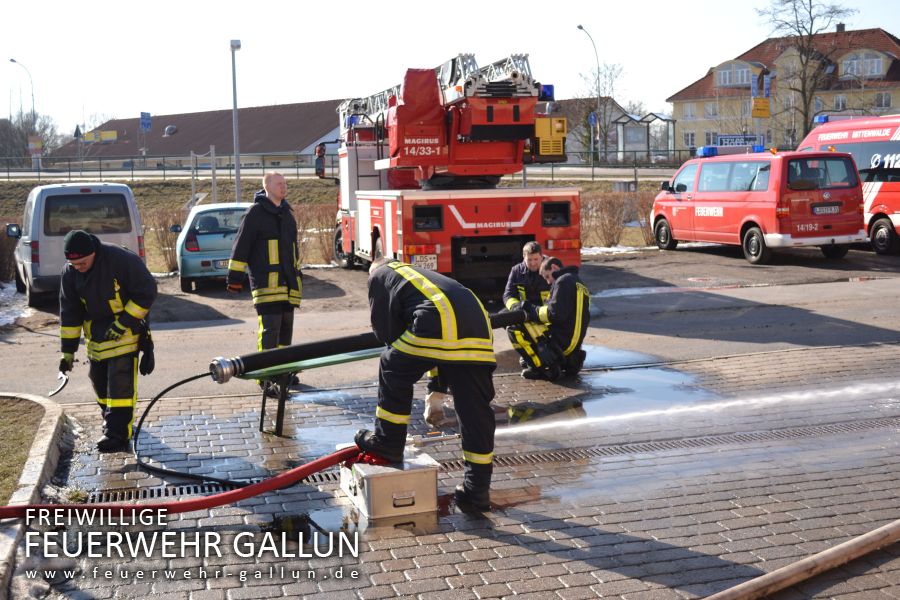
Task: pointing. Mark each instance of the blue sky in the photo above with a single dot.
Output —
(115, 59)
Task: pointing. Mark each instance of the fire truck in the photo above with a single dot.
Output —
(420, 165)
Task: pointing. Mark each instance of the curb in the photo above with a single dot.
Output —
(41, 462)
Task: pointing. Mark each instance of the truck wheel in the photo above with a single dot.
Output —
(20, 285)
(343, 260)
(663, 235)
(755, 250)
(34, 299)
(835, 251)
(884, 238)
(187, 284)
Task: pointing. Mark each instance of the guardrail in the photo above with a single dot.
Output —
(299, 165)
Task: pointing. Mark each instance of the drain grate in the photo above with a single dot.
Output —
(332, 476)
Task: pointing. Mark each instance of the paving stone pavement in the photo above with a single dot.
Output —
(667, 481)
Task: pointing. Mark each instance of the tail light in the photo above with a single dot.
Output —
(141, 252)
(35, 253)
(421, 249)
(571, 244)
(190, 242)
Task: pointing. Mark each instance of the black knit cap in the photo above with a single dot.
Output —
(78, 244)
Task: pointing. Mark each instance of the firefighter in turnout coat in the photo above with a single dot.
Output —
(556, 330)
(106, 292)
(266, 248)
(429, 320)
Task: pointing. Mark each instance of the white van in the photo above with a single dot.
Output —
(107, 210)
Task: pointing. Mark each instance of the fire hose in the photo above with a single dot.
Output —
(221, 370)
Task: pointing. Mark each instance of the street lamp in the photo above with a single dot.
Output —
(33, 118)
(235, 45)
(597, 58)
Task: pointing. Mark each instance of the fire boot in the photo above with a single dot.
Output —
(112, 444)
(434, 408)
(367, 441)
(474, 492)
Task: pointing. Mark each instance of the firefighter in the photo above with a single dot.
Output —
(428, 319)
(556, 330)
(266, 246)
(525, 289)
(107, 291)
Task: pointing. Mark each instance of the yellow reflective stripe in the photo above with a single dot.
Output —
(544, 295)
(111, 353)
(136, 310)
(101, 401)
(470, 343)
(579, 310)
(236, 265)
(273, 279)
(70, 332)
(510, 303)
(259, 334)
(431, 292)
(120, 402)
(544, 314)
(478, 459)
(525, 345)
(432, 373)
(535, 330)
(110, 348)
(437, 354)
(273, 252)
(522, 295)
(275, 289)
(390, 417)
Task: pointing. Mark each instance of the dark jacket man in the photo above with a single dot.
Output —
(106, 292)
(525, 283)
(266, 247)
(428, 319)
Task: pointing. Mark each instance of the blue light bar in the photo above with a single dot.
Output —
(821, 119)
(759, 148)
(707, 151)
(547, 94)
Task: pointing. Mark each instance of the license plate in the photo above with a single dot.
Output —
(426, 261)
(827, 210)
(221, 264)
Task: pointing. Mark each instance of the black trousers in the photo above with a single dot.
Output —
(115, 383)
(472, 387)
(276, 329)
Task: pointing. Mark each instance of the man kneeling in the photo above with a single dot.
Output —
(550, 341)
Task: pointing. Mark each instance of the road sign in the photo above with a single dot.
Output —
(145, 121)
(761, 108)
(592, 119)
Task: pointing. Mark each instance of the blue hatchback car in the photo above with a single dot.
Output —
(204, 244)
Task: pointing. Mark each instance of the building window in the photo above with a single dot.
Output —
(711, 109)
(862, 64)
(883, 100)
(872, 66)
(723, 76)
(790, 137)
(688, 139)
(851, 66)
(742, 76)
(711, 138)
(768, 137)
(840, 102)
(819, 105)
(689, 110)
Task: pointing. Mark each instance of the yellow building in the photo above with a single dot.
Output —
(757, 93)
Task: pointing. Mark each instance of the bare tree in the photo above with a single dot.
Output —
(602, 86)
(800, 21)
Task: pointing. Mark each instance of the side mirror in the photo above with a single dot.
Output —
(175, 228)
(13, 231)
(665, 187)
(680, 187)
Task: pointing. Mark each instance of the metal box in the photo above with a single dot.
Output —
(391, 491)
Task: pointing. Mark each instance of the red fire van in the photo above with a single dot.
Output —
(874, 143)
(762, 201)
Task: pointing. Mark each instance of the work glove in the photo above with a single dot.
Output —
(66, 362)
(115, 331)
(148, 362)
(530, 311)
(234, 288)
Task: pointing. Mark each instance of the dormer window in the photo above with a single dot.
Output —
(862, 64)
(733, 74)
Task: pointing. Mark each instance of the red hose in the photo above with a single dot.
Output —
(284, 479)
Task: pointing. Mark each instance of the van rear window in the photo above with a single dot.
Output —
(96, 213)
(818, 173)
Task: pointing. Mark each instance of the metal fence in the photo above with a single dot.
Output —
(296, 164)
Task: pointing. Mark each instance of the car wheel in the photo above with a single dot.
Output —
(884, 238)
(755, 250)
(835, 251)
(187, 285)
(20, 285)
(343, 260)
(663, 235)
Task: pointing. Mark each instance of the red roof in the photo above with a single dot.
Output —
(833, 44)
